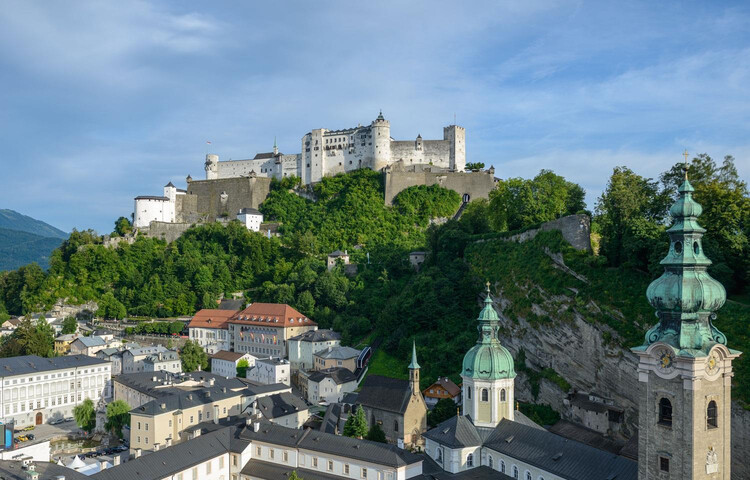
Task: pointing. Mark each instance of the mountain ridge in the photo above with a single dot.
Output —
(12, 220)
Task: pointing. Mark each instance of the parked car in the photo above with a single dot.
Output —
(69, 419)
(22, 438)
(57, 421)
(29, 428)
(30, 436)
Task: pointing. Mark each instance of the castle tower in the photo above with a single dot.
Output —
(457, 137)
(414, 371)
(381, 142)
(685, 367)
(212, 166)
(488, 373)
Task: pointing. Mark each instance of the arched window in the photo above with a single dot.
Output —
(528, 475)
(712, 415)
(485, 395)
(502, 395)
(468, 393)
(470, 460)
(665, 412)
(439, 456)
(489, 461)
(395, 425)
(515, 472)
(502, 466)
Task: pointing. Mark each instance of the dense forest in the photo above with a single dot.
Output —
(387, 300)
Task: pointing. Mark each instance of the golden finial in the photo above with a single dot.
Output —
(685, 154)
(458, 412)
(488, 286)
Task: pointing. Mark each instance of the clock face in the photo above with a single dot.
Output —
(666, 359)
(712, 364)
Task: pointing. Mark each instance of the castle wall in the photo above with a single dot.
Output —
(167, 231)
(243, 192)
(476, 184)
(575, 229)
(425, 152)
(186, 208)
(148, 209)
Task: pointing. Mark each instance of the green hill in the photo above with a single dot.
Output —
(13, 220)
(21, 248)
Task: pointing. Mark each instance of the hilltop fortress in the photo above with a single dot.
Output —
(233, 185)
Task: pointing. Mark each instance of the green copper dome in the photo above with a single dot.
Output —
(686, 296)
(488, 359)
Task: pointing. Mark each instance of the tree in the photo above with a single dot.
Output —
(444, 409)
(294, 476)
(356, 425)
(193, 356)
(70, 325)
(122, 227)
(474, 166)
(242, 366)
(376, 434)
(110, 307)
(85, 415)
(117, 416)
(30, 339)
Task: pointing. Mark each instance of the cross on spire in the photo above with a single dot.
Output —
(685, 154)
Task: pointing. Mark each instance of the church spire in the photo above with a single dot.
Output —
(414, 365)
(414, 370)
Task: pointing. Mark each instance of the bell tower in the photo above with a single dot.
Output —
(414, 371)
(685, 367)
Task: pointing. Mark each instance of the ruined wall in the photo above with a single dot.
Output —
(476, 184)
(243, 192)
(575, 229)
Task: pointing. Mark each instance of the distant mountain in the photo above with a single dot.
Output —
(21, 248)
(12, 220)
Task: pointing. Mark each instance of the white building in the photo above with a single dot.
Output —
(283, 409)
(334, 257)
(36, 389)
(209, 329)
(167, 360)
(269, 370)
(250, 218)
(146, 359)
(330, 385)
(156, 209)
(225, 363)
(304, 346)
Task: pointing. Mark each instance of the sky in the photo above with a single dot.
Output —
(104, 101)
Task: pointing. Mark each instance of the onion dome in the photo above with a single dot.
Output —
(686, 296)
(488, 359)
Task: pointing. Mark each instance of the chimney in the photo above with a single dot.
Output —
(156, 447)
(102, 465)
(168, 442)
(163, 406)
(116, 460)
(153, 378)
(216, 414)
(256, 427)
(249, 421)
(137, 453)
(196, 433)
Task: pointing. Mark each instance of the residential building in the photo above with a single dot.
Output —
(442, 388)
(595, 412)
(251, 218)
(265, 328)
(303, 347)
(269, 371)
(333, 357)
(283, 409)
(62, 343)
(335, 257)
(87, 345)
(134, 359)
(396, 405)
(330, 385)
(139, 388)
(167, 360)
(114, 356)
(225, 363)
(209, 329)
(416, 259)
(36, 389)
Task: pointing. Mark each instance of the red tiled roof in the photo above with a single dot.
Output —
(211, 318)
(445, 385)
(271, 314)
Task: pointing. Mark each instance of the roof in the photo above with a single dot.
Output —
(446, 384)
(211, 318)
(144, 382)
(170, 184)
(227, 355)
(185, 399)
(33, 363)
(152, 197)
(249, 211)
(317, 336)
(89, 342)
(68, 337)
(107, 352)
(169, 461)
(582, 400)
(579, 433)
(280, 405)
(13, 470)
(432, 471)
(557, 455)
(234, 304)
(166, 356)
(261, 156)
(385, 393)
(278, 314)
(339, 375)
(338, 353)
(150, 350)
(456, 432)
(338, 253)
(266, 470)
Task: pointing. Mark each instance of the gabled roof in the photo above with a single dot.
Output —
(338, 353)
(32, 364)
(557, 455)
(271, 314)
(233, 304)
(456, 432)
(14, 470)
(385, 393)
(89, 342)
(280, 405)
(322, 335)
(338, 253)
(227, 355)
(339, 375)
(184, 400)
(169, 461)
(261, 156)
(446, 384)
(211, 318)
(107, 352)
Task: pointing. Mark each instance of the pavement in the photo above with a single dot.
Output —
(47, 432)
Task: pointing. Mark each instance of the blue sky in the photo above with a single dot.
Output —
(103, 101)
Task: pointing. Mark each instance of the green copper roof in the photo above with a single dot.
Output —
(488, 359)
(686, 296)
(414, 365)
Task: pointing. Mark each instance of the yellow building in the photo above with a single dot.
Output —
(62, 343)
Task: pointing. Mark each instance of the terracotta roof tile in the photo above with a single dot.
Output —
(211, 318)
(271, 314)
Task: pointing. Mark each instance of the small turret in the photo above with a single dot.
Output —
(414, 370)
(212, 166)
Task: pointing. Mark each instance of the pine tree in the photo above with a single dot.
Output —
(356, 425)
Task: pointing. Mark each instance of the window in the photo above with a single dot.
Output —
(330, 465)
(146, 439)
(195, 473)
(515, 472)
(146, 425)
(485, 395)
(395, 425)
(502, 466)
(364, 472)
(270, 452)
(665, 412)
(258, 451)
(489, 461)
(346, 469)
(663, 464)
(208, 468)
(528, 475)
(285, 456)
(439, 456)
(502, 395)
(315, 462)
(468, 393)
(470, 460)
(712, 420)
(170, 423)
(139, 425)
(139, 439)
(234, 460)
(221, 462)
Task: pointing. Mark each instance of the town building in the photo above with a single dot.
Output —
(87, 345)
(251, 218)
(145, 359)
(396, 405)
(331, 357)
(62, 343)
(416, 259)
(265, 328)
(209, 329)
(335, 257)
(163, 208)
(685, 367)
(442, 388)
(114, 356)
(167, 360)
(329, 385)
(595, 412)
(268, 371)
(225, 363)
(35, 389)
(303, 347)
(283, 409)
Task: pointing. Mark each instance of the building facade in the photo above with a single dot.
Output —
(209, 329)
(265, 328)
(35, 389)
(268, 371)
(303, 347)
(225, 363)
(332, 357)
(146, 359)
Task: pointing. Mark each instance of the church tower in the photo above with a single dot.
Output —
(488, 373)
(685, 367)
(414, 371)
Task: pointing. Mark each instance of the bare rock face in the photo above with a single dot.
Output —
(63, 310)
